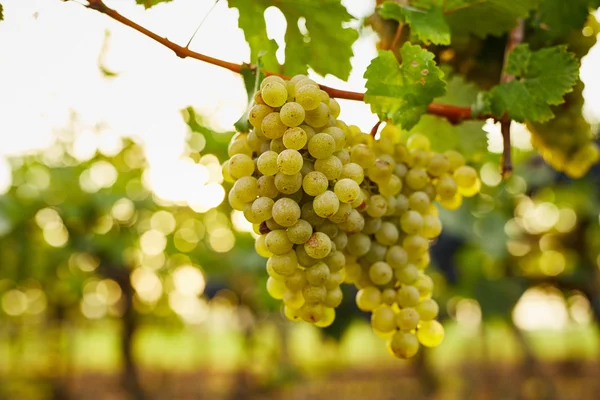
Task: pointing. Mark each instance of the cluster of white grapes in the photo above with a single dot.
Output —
(333, 205)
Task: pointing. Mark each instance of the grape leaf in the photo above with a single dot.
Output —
(150, 3)
(402, 92)
(315, 35)
(543, 78)
(427, 23)
(559, 17)
(486, 17)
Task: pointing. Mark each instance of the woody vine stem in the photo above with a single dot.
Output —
(453, 114)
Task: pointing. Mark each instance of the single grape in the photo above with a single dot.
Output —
(353, 171)
(403, 344)
(418, 141)
(407, 275)
(299, 232)
(326, 204)
(415, 245)
(321, 145)
(362, 155)
(347, 190)
(317, 117)
(258, 113)
(455, 158)
(331, 167)
(368, 299)
(446, 187)
(274, 94)
(314, 294)
(388, 234)
(407, 296)
(432, 226)
(261, 247)
(430, 333)
(335, 261)
(419, 201)
(438, 165)
(383, 319)
(289, 162)
(288, 184)
(240, 165)
(388, 296)
(380, 273)
(293, 300)
(338, 135)
(296, 281)
(277, 242)
(334, 106)
(318, 245)
(291, 114)
(246, 189)
(416, 178)
(342, 214)
(295, 138)
(315, 183)
(376, 206)
(334, 297)
(428, 309)
(272, 127)
(465, 176)
(292, 314)
(390, 187)
(317, 274)
(381, 171)
(275, 288)
(358, 244)
(284, 264)
(411, 222)
(266, 187)
(262, 208)
(308, 96)
(425, 286)
(407, 319)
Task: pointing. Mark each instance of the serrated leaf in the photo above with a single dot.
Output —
(459, 92)
(426, 22)
(402, 92)
(542, 79)
(323, 43)
(486, 17)
(558, 17)
(151, 3)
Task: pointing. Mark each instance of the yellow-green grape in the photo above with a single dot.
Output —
(318, 245)
(225, 172)
(353, 171)
(277, 145)
(292, 314)
(303, 258)
(291, 114)
(358, 244)
(428, 309)
(318, 117)
(403, 344)
(286, 212)
(390, 187)
(362, 155)
(312, 312)
(288, 184)
(347, 190)
(271, 272)
(383, 319)
(277, 242)
(314, 294)
(455, 158)
(308, 214)
(425, 286)
(295, 138)
(296, 281)
(372, 225)
(258, 113)
(326, 204)
(465, 176)
(341, 240)
(407, 319)
(376, 206)
(274, 94)
(368, 299)
(407, 296)
(299, 232)
(451, 203)
(411, 222)
(327, 318)
(331, 167)
(416, 178)
(419, 201)
(381, 171)
(342, 214)
(266, 187)
(293, 300)
(338, 135)
(432, 226)
(396, 257)
(235, 202)
(275, 288)
(272, 225)
(315, 183)
(239, 146)
(418, 141)
(407, 275)
(267, 163)
(470, 191)
(353, 272)
(335, 261)
(343, 155)
(355, 222)
(261, 247)
(262, 208)
(272, 78)
(430, 333)
(380, 273)
(321, 145)
(284, 264)
(317, 274)
(438, 165)
(446, 187)
(308, 96)
(388, 296)
(324, 96)
(391, 132)
(297, 78)
(334, 297)
(240, 165)
(334, 106)
(272, 127)
(415, 245)
(388, 234)
(289, 162)
(246, 188)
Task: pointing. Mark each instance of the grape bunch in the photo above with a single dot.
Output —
(333, 205)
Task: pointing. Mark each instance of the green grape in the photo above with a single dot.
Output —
(338, 135)
(299, 232)
(312, 313)
(334, 106)
(407, 275)
(372, 225)
(275, 288)
(277, 145)
(353, 171)
(271, 272)
(401, 170)
(297, 78)
(292, 314)
(225, 172)
(274, 94)
(235, 202)
(266, 187)
(326, 204)
(470, 191)
(341, 239)
(254, 141)
(381, 171)
(416, 178)
(428, 309)
(314, 294)
(308, 96)
(419, 158)
(407, 319)
(315, 183)
(353, 272)
(334, 297)
(267, 163)
(465, 176)
(291, 114)
(321, 145)
(455, 158)
(361, 201)
(342, 214)
(286, 212)
(362, 155)
(277, 242)
(258, 113)
(380, 273)
(303, 258)
(240, 165)
(296, 281)
(318, 245)
(343, 155)
(293, 300)
(432, 226)
(318, 117)
(376, 206)
(239, 146)
(396, 257)
(390, 187)
(388, 234)
(261, 247)
(415, 245)
(419, 201)
(329, 228)
(324, 96)
(418, 141)
(262, 208)
(272, 225)
(317, 274)
(347, 190)
(327, 319)
(403, 344)
(289, 162)
(331, 167)
(368, 299)
(446, 187)
(295, 138)
(284, 264)
(383, 319)
(272, 127)
(375, 253)
(308, 214)
(401, 205)
(388, 296)
(355, 222)
(246, 188)
(451, 203)
(272, 78)
(335, 261)
(430, 333)
(334, 280)
(438, 165)
(407, 296)
(288, 184)
(411, 222)
(425, 286)
(358, 244)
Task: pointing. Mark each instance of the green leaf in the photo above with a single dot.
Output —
(558, 17)
(486, 17)
(1, 13)
(402, 92)
(151, 3)
(542, 79)
(252, 22)
(427, 23)
(315, 35)
(216, 142)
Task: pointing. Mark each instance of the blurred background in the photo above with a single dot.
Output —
(124, 273)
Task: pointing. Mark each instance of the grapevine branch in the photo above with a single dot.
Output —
(453, 114)
(515, 37)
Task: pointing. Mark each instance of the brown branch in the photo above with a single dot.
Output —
(454, 114)
(396, 39)
(515, 38)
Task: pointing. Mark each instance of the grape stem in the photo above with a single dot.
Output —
(453, 114)
(375, 128)
(515, 37)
